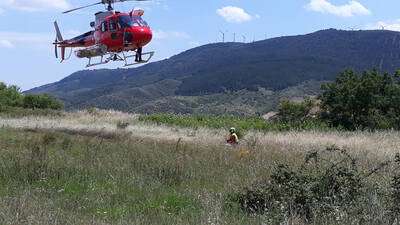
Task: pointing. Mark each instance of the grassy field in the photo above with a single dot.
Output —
(111, 168)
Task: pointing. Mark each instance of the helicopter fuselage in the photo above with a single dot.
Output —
(113, 33)
(117, 32)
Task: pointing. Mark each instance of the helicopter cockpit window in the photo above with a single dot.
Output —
(135, 21)
(113, 25)
(140, 21)
(104, 27)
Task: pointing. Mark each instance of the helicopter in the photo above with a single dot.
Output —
(115, 36)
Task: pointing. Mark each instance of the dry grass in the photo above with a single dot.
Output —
(377, 144)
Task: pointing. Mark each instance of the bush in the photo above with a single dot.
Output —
(330, 184)
(11, 98)
(43, 101)
(362, 101)
(295, 112)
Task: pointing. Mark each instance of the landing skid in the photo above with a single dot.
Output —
(104, 59)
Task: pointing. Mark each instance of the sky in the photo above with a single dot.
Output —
(26, 27)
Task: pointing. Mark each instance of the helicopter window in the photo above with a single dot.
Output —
(140, 21)
(104, 27)
(113, 25)
(135, 21)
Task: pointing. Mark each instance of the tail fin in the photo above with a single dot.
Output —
(59, 39)
(59, 36)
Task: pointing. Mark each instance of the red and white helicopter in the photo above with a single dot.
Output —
(116, 36)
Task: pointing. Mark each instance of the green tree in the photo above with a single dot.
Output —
(10, 96)
(362, 101)
(43, 101)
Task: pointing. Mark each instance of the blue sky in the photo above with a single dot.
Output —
(26, 30)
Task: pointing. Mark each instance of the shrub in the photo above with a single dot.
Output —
(295, 112)
(395, 191)
(328, 184)
(43, 101)
(362, 101)
(11, 98)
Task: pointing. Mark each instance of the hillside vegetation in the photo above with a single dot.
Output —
(225, 78)
(355, 101)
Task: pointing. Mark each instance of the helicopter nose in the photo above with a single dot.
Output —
(142, 36)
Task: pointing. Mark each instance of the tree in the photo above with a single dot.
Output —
(43, 101)
(362, 101)
(10, 96)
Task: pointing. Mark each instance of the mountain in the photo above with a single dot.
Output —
(207, 78)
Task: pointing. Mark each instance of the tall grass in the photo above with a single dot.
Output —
(76, 179)
(243, 124)
(105, 124)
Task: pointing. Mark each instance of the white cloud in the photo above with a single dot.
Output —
(352, 8)
(160, 34)
(17, 39)
(6, 44)
(1, 11)
(35, 5)
(234, 14)
(387, 25)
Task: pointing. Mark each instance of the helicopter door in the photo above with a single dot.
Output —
(104, 36)
(116, 35)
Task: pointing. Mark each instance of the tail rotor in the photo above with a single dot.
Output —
(59, 39)
(55, 48)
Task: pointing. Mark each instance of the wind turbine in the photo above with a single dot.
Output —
(223, 35)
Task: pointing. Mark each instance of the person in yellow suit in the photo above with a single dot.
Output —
(233, 138)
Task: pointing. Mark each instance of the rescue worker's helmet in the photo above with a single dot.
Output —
(232, 130)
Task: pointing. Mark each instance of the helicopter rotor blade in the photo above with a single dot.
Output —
(71, 10)
(102, 2)
(115, 1)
